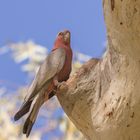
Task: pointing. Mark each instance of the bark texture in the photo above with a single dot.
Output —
(103, 98)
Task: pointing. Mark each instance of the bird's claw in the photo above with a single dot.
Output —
(61, 85)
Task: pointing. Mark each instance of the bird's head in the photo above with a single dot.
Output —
(64, 37)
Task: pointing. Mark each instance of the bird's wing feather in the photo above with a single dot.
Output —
(51, 66)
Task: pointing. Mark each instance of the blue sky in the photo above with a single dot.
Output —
(41, 20)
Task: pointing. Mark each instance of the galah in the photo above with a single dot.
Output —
(55, 69)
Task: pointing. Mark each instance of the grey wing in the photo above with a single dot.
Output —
(50, 67)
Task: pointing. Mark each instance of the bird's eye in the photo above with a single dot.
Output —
(60, 33)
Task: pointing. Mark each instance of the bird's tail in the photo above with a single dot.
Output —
(26, 107)
(27, 102)
(32, 116)
(37, 103)
(23, 110)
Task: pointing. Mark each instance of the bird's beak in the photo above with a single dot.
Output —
(67, 36)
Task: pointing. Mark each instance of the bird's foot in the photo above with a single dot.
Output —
(62, 87)
(58, 84)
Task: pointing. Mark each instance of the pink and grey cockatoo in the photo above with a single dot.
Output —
(55, 69)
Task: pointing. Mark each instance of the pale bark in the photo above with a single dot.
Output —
(103, 98)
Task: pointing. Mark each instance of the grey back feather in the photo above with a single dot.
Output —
(50, 67)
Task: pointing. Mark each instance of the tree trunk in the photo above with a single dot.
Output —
(103, 98)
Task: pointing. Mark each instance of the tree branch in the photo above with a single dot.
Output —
(102, 99)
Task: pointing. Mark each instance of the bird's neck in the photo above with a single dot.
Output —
(60, 44)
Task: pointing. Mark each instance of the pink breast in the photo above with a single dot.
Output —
(65, 72)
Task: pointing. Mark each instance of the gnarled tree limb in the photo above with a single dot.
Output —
(103, 97)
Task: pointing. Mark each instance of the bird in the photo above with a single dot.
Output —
(55, 70)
